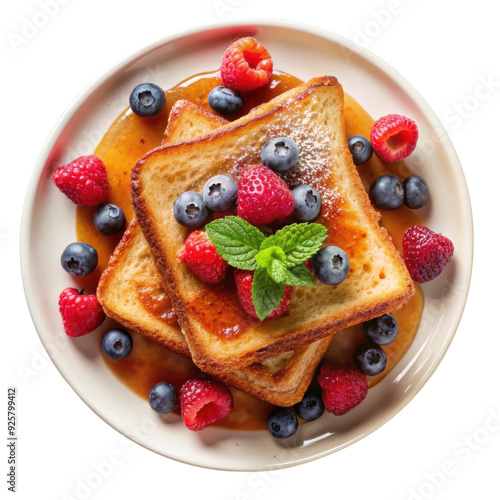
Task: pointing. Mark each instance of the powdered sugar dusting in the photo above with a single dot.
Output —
(311, 136)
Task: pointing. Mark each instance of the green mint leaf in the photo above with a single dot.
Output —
(237, 241)
(298, 276)
(299, 241)
(266, 293)
(277, 271)
(265, 257)
(272, 259)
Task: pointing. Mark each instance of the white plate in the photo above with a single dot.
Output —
(49, 224)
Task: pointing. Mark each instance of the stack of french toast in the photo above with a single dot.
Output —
(274, 359)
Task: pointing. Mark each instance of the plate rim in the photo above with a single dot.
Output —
(94, 84)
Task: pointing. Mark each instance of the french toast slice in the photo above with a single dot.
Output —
(130, 292)
(221, 337)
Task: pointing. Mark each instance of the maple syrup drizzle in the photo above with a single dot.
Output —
(155, 301)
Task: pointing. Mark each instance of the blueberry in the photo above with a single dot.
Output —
(370, 358)
(225, 101)
(361, 149)
(280, 154)
(109, 219)
(416, 192)
(147, 99)
(307, 203)
(310, 408)
(116, 344)
(382, 330)
(387, 192)
(220, 193)
(190, 210)
(79, 259)
(282, 423)
(163, 398)
(331, 265)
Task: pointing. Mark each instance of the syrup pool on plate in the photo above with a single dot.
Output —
(129, 138)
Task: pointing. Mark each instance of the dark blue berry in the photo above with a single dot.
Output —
(361, 149)
(163, 398)
(282, 423)
(79, 259)
(225, 101)
(310, 408)
(331, 265)
(307, 203)
(220, 193)
(147, 99)
(280, 154)
(109, 219)
(382, 330)
(190, 210)
(387, 192)
(117, 344)
(370, 358)
(416, 192)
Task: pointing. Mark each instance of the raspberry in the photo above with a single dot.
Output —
(277, 224)
(425, 253)
(394, 137)
(246, 65)
(263, 197)
(84, 181)
(221, 215)
(80, 313)
(200, 255)
(343, 387)
(244, 281)
(204, 402)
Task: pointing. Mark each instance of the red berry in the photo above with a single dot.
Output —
(394, 137)
(200, 255)
(244, 281)
(278, 223)
(263, 197)
(84, 181)
(246, 65)
(221, 215)
(425, 253)
(204, 402)
(343, 387)
(81, 314)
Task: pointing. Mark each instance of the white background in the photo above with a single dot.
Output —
(447, 52)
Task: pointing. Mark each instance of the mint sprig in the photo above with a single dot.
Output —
(266, 293)
(277, 260)
(299, 242)
(298, 275)
(236, 241)
(273, 260)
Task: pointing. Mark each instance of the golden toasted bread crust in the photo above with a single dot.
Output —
(198, 120)
(216, 355)
(283, 383)
(283, 387)
(300, 368)
(142, 322)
